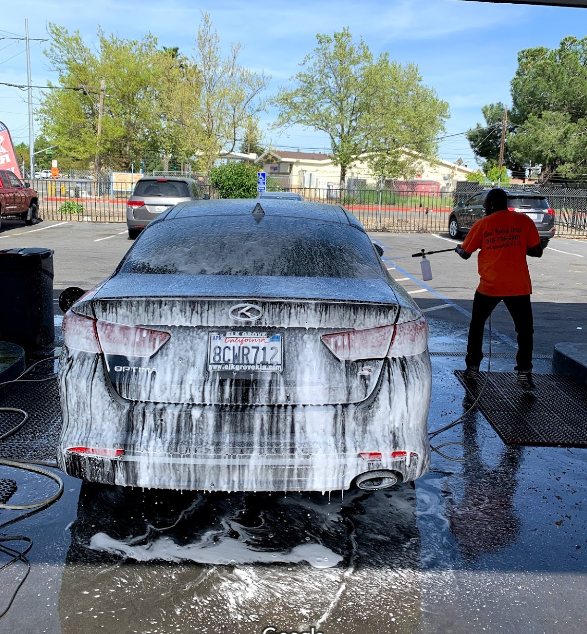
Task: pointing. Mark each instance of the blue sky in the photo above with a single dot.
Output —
(466, 51)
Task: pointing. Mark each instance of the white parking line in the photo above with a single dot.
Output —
(402, 279)
(566, 252)
(428, 310)
(23, 233)
(421, 290)
(443, 238)
(108, 237)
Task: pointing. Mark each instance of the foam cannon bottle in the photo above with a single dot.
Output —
(425, 262)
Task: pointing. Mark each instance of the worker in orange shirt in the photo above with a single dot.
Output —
(504, 238)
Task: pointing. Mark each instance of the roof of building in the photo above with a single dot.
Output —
(307, 156)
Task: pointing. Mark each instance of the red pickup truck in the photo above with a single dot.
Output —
(17, 199)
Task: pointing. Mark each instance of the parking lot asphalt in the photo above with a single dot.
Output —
(497, 543)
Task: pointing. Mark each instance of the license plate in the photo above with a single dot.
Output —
(534, 216)
(254, 351)
(159, 208)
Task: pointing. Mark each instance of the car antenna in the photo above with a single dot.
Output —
(258, 212)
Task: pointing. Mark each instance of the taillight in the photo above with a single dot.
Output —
(136, 203)
(378, 455)
(101, 452)
(91, 335)
(402, 340)
(130, 341)
(551, 212)
(410, 338)
(360, 344)
(511, 209)
(79, 333)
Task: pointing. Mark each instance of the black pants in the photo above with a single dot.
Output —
(521, 311)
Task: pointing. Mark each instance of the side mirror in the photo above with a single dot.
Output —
(461, 204)
(379, 249)
(26, 184)
(206, 197)
(69, 297)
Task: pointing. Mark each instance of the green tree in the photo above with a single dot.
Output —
(235, 180)
(497, 175)
(367, 107)
(252, 142)
(131, 122)
(549, 113)
(477, 177)
(230, 96)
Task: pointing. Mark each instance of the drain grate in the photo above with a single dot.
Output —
(7, 490)
(495, 355)
(37, 439)
(554, 415)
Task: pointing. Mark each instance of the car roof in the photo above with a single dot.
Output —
(161, 179)
(292, 195)
(513, 192)
(269, 207)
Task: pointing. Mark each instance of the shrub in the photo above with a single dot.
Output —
(71, 207)
(235, 180)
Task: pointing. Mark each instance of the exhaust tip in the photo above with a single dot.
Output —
(375, 480)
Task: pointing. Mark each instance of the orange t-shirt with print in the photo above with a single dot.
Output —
(503, 237)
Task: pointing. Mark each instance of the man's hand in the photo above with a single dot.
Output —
(459, 249)
(535, 251)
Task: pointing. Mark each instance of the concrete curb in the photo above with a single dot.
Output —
(570, 359)
(12, 361)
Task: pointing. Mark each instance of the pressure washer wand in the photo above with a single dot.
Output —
(425, 264)
(424, 253)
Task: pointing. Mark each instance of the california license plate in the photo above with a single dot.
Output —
(534, 216)
(160, 208)
(248, 351)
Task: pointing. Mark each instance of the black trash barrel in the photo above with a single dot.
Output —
(26, 297)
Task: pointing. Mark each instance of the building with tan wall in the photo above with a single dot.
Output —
(315, 170)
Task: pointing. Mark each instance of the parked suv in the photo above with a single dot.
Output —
(152, 196)
(17, 199)
(533, 204)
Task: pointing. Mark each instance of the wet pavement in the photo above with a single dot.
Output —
(497, 543)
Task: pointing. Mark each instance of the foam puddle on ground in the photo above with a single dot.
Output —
(226, 551)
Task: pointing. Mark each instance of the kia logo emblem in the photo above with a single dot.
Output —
(246, 312)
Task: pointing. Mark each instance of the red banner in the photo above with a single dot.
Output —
(7, 154)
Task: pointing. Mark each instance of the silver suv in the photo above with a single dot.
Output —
(152, 196)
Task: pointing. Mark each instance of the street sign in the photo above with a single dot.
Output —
(261, 181)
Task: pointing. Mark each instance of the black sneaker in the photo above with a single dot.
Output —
(472, 374)
(526, 382)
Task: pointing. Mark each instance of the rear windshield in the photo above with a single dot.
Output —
(528, 202)
(224, 245)
(168, 189)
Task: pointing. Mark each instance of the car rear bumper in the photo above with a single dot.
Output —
(254, 448)
(254, 472)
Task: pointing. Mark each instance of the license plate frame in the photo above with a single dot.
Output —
(245, 352)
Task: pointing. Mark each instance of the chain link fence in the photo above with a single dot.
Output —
(397, 207)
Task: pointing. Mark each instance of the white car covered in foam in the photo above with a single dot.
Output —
(247, 345)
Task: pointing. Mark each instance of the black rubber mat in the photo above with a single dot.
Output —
(554, 415)
(7, 490)
(37, 439)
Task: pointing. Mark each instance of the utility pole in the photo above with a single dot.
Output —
(30, 96)
(100, 113)
(503, 127)
(28, 40)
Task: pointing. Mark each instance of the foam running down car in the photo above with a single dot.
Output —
(247, 345)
